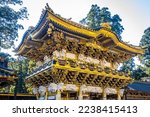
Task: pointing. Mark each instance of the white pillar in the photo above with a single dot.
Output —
(35, 92)
(37, 96)
(104, 95)
(46, 95)
(118, 94)
(80, 97)
(58, 95)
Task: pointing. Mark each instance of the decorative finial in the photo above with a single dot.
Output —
(106, 25)
(48, 8)
(69, 19)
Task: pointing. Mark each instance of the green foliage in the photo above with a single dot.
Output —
(4, 58)
(4, 61)
(116, 26)
(96, 16)
(145, 43)
(138, 73)
(128, 66)
(9, 25)
(21, 66)
(32, 65)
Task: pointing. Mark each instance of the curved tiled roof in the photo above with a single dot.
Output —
(140, 86)
(49, 16)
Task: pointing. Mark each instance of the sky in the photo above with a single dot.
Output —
(135, 14)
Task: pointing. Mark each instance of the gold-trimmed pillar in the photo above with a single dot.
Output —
(67, 95)
(35, 92)
(118, 94)
(80, 96)
(104, 94)
(58, 95)
(46, 94)
(37, 96)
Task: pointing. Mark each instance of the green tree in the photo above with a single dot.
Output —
(9, 18)
(5, 57)
(4, 62)
(139, 72)
(21, 66)
(96, 16)
(116, 25)
(145, 43)
(128, 66)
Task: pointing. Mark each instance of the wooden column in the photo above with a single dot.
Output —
(104, 95)
(37, 96)
(46, 94)
(118, 94)
(36, 93)
(80, 96)
(67, 95)
(58, 95)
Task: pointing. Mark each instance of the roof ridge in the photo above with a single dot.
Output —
(67, 20)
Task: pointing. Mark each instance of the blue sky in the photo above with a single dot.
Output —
(134, 13)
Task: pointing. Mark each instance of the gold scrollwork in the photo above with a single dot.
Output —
(50, 29)
(106, 25)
